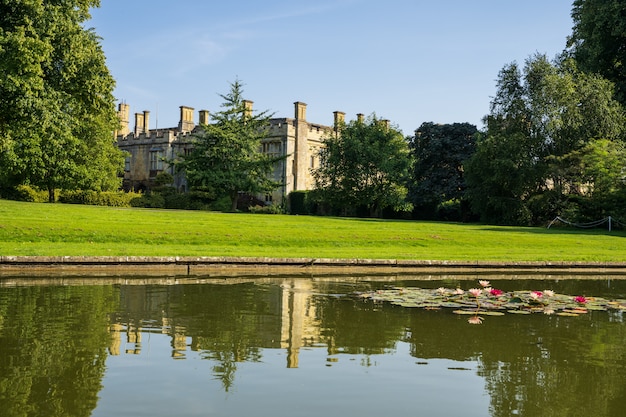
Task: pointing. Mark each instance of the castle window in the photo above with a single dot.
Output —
(127, 164)
(156, 160)
(272, 148)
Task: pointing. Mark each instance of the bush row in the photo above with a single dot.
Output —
(98, 198)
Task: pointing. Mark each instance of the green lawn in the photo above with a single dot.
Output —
(58, 229)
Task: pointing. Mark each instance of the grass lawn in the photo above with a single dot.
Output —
(60, 229)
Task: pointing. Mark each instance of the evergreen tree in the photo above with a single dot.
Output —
(226, 158)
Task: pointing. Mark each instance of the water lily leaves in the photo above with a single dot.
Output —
(492, 313)
(490, 302)
(566, 314)
(466, 312)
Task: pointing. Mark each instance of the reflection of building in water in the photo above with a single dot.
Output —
(292, 322)
(132, 336)
(299, 326)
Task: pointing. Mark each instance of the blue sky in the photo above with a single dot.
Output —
(409, 61)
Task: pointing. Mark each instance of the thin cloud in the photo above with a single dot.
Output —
(292, 12)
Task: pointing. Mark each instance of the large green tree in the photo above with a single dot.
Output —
(226, 157)
(364, 163)
(598, 40)
(522, 169)
(57, 114)
(439, 152)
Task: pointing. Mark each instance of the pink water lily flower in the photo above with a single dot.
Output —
(495, 292)
(475, 320)
(483, 283)
(535, 295)
(548, 293)
(475, 291)
(580, 299)
(459, 291)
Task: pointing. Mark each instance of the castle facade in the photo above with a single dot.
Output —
(148, 149)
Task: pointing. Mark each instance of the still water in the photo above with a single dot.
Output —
(300, 347)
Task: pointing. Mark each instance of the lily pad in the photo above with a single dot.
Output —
(513, 302)
(467, 312)
(492, 313)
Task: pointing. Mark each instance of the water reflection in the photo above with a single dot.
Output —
(91, 349)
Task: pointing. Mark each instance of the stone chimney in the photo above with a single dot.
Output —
(123, 114)
(386, 123)
(301, 148)
(248, 104)
(360, 117)
(203, 117)
(340, 117)
(139, 124)
(146, 122)
(300, 108)
(186, 123)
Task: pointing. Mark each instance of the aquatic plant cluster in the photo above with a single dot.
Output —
(485, 300)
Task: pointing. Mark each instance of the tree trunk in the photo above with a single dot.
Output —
(234, 197)
(51, 196)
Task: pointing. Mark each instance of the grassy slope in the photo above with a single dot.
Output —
(57, 229)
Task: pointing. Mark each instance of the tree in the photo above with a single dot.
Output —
(521, 172)
(439, 152)
(598, 40)
(57, 115)
(226, 158)
(366, 163)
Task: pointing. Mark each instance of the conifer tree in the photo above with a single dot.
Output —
(226, 157)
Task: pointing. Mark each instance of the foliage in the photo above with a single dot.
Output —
(163, 180)
(439, 152)
(598, 40)
(265, 209)
(223, 204)
(24, 193)
(99, 198)
(149, 200)
(68, 229)
(365, 163)
(57, 113)
(226, 158)
(298, 202)
(540, 121)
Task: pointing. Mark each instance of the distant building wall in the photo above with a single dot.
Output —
(295, 137)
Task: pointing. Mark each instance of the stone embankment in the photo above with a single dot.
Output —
(236, 266)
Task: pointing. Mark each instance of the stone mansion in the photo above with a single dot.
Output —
(148, 149)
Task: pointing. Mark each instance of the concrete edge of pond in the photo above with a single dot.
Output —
(237, 266)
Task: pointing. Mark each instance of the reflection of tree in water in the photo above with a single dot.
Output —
(356, 327)
(53, 344)
(534, 365)
(227, 323)
(574, 368)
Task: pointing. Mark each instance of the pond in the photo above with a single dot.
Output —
(298, 346)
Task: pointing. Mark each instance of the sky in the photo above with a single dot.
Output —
(408, 61)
